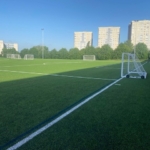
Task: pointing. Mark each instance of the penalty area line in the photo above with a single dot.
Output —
(39, 131)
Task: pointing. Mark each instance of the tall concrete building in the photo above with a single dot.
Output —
(11, 45)
(1, 46)
(109, 35)
(7, 46)
(81, 39)
(139, 32)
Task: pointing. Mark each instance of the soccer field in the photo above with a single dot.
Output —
(35, 92)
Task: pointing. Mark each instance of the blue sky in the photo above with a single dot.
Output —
(21, 21)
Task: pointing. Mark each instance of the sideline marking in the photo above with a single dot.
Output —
(58, 75)
(34, 134)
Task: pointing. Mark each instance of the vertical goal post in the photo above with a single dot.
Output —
(89, 57)
(131, 67)
(28, 57)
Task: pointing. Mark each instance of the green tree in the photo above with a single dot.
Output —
(63, 53)
(53, 54)
(129, 45)
(46, 52)
(89, 50)
(114, 55)
(149, 55)
(39, 51)
(122, 48)
(36, 52)
(141, 51)
(98, 53)
(74, 53)
(105, 52)
(6, 51)
(23, 52)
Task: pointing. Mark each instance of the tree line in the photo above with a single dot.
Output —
(103, 53)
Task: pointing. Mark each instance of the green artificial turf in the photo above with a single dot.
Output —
(27, 98)
(118, 118)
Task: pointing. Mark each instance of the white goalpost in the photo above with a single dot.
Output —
(28, 57)
(131, 67)
(89, 57)
(14, 56)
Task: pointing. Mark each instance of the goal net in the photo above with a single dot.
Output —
(14, 56)
(89, 57)
(131, 67)
(28, 57)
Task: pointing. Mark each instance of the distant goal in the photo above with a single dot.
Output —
(29, 57)
(14, 56)
(131, 67)
(89, 57)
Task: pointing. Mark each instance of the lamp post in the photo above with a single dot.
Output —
(42, 43)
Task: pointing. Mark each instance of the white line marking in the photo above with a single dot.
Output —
(58, 75)
(105, 67)
(49, 63)
(22, 65)
(80, 77)
(66, 62)
(34, 134)
(23, 72)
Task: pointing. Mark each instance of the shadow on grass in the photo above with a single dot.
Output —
(116, 119)
(27, 104)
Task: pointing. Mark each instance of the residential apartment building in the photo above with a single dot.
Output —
(7, 46)
(81, 39)
(139, 32)
(109, 35)
(11, 45)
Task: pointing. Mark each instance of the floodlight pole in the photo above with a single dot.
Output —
(42, 43)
